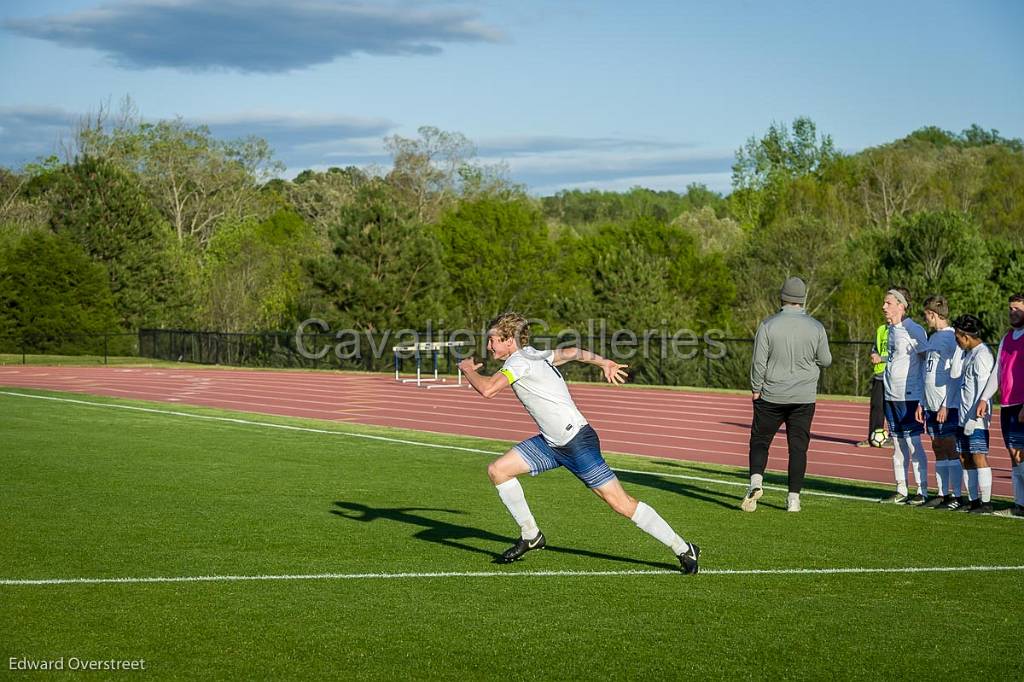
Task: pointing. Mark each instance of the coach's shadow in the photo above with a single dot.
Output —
(814, 436)
(781, 479)
(653, 480)
(450, 534)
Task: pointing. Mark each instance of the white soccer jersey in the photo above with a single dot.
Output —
(938, 366)
(541, 389)
(956, 375)
(978, 365)
(907, 341)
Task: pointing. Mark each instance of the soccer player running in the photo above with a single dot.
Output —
(903, 389)
(790, 348)
(1008, 377)
(565, 439)
(938, 411)
(972, 434)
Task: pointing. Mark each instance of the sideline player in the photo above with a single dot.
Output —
(938, 411)
(876, 414)
(972, 436)
(1008, 377)
(565, 439)
(903, 388)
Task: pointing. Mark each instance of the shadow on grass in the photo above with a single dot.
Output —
(692, 490)
(814, 436)
(450, 534)
(778, 479)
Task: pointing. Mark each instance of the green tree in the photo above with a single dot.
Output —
(763, 165)
(498, 257)
(253, 274)
(426, 170)
(939, 253)
(1007, 278)
(999, 203)
(714, 234)
(694, 290)
(105, 211)
(194, 180)
(384, 270)
(54, 295)
(320, 197)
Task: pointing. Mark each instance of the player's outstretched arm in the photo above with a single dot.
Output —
(488, 387)
(614, 373)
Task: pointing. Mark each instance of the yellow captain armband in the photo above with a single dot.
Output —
(508, 375)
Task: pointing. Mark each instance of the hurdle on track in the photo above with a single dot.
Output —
(418, 348)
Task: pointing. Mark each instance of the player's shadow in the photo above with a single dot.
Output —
(454, 535)
(693, 490)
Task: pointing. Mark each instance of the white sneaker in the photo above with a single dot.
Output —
(749, 502)
(793, 504)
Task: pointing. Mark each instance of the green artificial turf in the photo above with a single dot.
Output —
(95, 491)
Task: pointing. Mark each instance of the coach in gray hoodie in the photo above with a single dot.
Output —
(790, 349)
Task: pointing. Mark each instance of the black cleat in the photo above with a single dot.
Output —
(937, 502)
(981, 508)
(917, 500)
(957, 504)
(688, 560)
(522, 546)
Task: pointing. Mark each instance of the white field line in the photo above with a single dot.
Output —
(388, 439)
(501, 574)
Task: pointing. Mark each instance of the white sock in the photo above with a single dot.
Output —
(651, 523)
(955, 474)
(972, 484)
(1018, 484)
(511, 493)
(919, 459)
(941, 477)
(899, 465)
(756, 480)
(985, 483)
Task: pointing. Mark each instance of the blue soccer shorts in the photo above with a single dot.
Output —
(581, 456)
(901, 417)
(946, 429)
(1012, 427)
(974, 444)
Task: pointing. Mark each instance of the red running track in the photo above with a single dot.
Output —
(701, 427)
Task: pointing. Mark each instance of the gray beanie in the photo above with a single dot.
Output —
(794, 291)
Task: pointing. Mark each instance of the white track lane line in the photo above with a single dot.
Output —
(12, 582)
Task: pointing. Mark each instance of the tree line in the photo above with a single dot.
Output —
(162, 225)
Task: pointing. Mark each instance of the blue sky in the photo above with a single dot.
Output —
(567, 94)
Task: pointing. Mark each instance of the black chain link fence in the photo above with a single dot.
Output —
(97, 347)
(712, 362)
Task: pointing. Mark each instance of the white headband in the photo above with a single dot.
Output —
(898, 296)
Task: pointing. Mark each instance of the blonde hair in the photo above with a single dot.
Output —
(511, 325)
